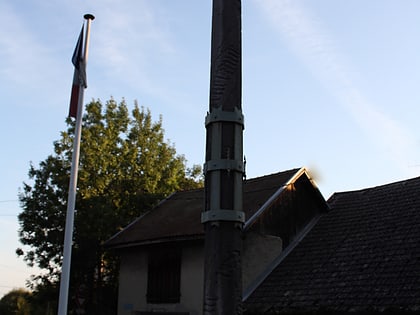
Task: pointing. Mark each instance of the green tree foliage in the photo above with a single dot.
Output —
(126, 167)
(23, 302)
(16, 302)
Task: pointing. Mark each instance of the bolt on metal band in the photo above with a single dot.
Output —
(224, 164)
(222, 215)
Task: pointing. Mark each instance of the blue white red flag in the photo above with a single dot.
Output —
(79, 76)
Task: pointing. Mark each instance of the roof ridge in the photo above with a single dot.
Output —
(253, 179)
(372, 188)
(262, 177)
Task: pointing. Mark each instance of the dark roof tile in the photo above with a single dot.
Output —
(178, 216)
(364, 253)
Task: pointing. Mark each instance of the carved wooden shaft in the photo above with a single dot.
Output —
(223, 215)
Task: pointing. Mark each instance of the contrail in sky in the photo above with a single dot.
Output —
(306, 36)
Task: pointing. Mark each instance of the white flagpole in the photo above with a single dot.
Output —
(71, 201)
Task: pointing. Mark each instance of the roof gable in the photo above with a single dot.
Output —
(363, 254)
(178, 216)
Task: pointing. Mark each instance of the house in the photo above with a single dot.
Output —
(362, 257)
(162, 252)
(357, 253)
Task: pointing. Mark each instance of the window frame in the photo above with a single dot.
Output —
(164, 275)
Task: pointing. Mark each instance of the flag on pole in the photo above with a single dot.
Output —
(79, 76)
(79, 61)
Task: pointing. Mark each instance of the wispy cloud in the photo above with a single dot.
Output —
(18, 48)
(312, 43)
(29, 61)
(129, 39)
(141, 45)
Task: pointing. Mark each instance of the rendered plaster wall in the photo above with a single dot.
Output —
(259, 251)
(133, 283)
(192, 278)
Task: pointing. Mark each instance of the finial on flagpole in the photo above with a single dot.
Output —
(89, 17)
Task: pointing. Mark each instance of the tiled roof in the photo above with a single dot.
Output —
(179, 216)
(362, 255)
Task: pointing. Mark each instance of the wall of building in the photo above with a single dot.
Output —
(192, 278)
(133, 282)
(258, 252)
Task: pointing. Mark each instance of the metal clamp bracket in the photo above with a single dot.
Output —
(218, 114)
(223, 164)
(222, 215)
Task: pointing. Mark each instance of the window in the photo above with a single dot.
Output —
(164, 275)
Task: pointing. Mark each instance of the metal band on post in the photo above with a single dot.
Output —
(224, 164)
(219, 115)
(223, 215)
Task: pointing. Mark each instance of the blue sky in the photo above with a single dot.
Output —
(330, 85)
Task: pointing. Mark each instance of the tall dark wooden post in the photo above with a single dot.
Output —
(223, 215)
